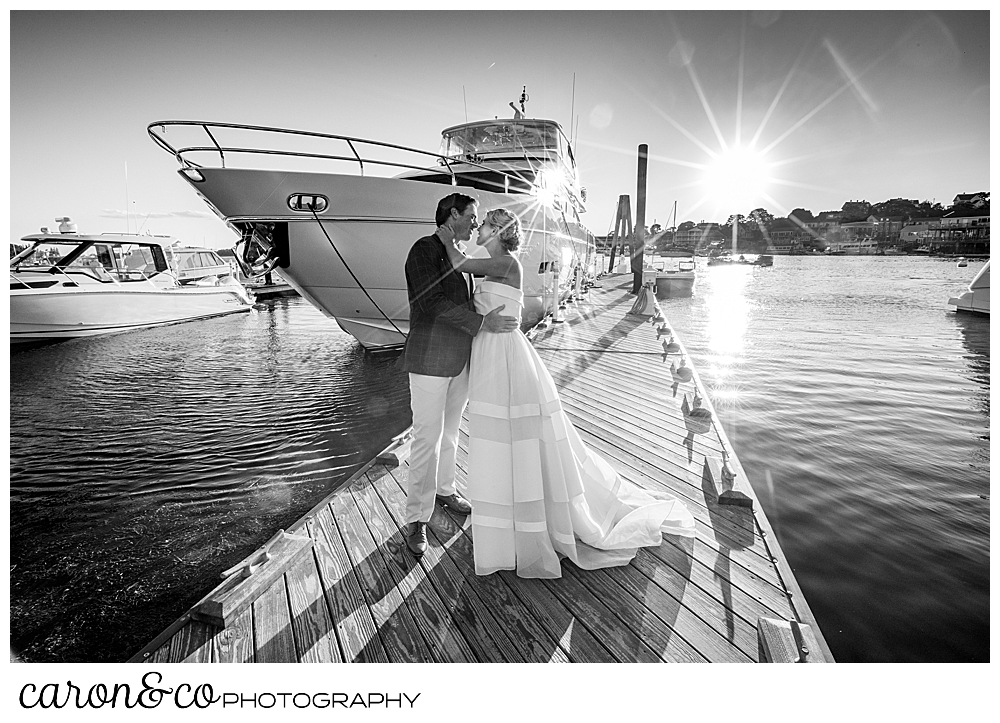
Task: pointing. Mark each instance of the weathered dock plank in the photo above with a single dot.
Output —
(397, 628)
(235, 643)
(687, 631)
(558, 621)
(356, 629)
(669, 568)
(192, 644)
(600, 616)
(470, 611)
(404, 572)
(312, 627)
(272, 629)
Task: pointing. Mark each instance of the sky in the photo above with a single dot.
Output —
(739, 109)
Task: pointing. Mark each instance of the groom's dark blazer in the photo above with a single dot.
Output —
(442, 317)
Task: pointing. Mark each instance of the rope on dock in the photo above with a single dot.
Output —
(356, 280)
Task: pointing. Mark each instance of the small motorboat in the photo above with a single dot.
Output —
(962, 262)
(66, 285)
(677, 281)
(977, 298)
(764, 260)
(728, 260)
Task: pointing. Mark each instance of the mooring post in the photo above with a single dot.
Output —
(639, 242)
(623, 229)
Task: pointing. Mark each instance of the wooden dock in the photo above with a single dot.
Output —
(357, 595)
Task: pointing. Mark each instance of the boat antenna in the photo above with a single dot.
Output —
(466, 104)
(519, 114)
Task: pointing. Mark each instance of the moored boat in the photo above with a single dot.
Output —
(341, 238)
(977, 298)
(677, 281)
(728, 260)
(67, 285)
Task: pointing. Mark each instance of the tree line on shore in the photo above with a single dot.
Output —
(754, 227)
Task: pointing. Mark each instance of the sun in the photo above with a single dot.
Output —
(737, 177)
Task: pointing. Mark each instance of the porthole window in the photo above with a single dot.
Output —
(308, 202)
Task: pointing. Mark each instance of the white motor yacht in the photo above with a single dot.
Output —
(66, 285)
(977, 298)
(340, 235)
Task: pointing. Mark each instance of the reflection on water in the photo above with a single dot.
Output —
(975, 330)
(728, 310)
(142, 464)
(859, 407)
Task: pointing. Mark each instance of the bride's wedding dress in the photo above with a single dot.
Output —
(538, 493)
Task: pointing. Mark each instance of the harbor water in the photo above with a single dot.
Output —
(144, 463)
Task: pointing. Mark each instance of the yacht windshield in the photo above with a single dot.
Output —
(47, 254)
(501, 137)
(110, 260)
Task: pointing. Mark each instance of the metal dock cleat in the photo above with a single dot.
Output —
(723, 478)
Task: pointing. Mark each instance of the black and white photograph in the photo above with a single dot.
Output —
(500, 335)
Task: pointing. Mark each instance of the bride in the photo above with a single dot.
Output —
(538, 493)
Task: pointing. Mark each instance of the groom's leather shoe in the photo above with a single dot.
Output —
(416, 538)
(455, 502)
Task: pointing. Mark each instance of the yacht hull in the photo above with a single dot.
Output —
(348, 259)
(43, 315)
(977, 299)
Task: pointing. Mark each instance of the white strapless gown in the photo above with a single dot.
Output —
(538, 493)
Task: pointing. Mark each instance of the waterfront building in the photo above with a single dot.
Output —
(887, 229)
(825, 228)
(916, 232)
(964, 232)
(785, 236)
(700, 235)
(857, 237)
(957, 232)
(976, 200)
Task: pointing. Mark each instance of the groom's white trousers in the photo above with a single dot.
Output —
(437, 404)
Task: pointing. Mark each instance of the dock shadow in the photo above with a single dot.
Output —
(689, 445)
(733, 529)
(612, 336)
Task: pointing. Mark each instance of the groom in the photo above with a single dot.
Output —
(442, 324)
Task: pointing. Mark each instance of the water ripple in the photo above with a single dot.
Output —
(859, 407)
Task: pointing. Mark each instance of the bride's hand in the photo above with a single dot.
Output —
(455, 254)
(446, 235)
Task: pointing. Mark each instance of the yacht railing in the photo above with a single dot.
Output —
(101, 275)
(61, 271)
(353, 143)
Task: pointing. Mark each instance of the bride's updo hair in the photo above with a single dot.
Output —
(508, 227)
